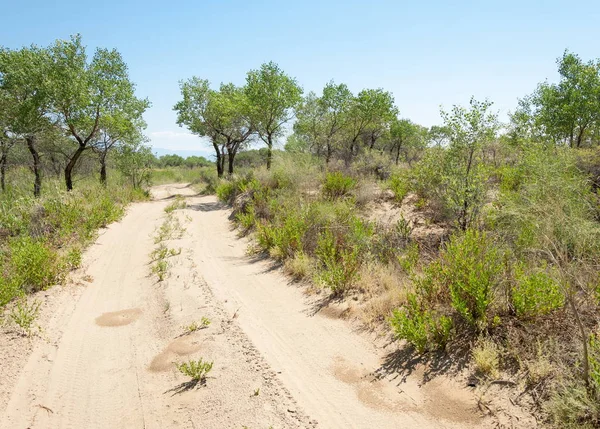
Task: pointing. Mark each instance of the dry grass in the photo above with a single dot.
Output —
(385, 289)
(300, 266)
(486, 358)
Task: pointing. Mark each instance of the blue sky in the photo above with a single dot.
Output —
(428, 53)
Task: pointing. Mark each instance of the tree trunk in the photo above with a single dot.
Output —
(103, 169)
(328, 155)
(37, 184)
(269, 151)
(3, 172)
(398, 155)
(71, 165)
(230, 158)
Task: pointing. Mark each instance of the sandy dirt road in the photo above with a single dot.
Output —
(107, 353)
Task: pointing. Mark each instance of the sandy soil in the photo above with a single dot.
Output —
(105, 358)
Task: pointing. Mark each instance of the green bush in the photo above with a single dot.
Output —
(338, 267)
(423, 328)
(469, 267)
(400, 186)
(225, 191)
(35, 265)
(536, 294)
(337, 185)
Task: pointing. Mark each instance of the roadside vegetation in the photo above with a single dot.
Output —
(473, 240)
(72, 156)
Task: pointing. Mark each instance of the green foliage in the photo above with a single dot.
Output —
(272, 95)
(196, 370)
(195, 326)
(178, 204)
(469, 269)
(160, 268)
(35, 265)
(225, 191)
(337, 185)
(339, 265)
(565, 112)
(536, 293)
(424, 329)
(399, 185)
(24, 315)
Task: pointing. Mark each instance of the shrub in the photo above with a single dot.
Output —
(470, 266)
(196, 370)
(536, 294)
(35, 265)
(338, 267)
(225, 191)
(337, 185)
(424, 329)
(24, 315)
(399, 185)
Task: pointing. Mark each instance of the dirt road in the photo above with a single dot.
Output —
(107, 355)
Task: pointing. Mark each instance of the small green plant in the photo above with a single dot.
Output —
(178, 204)
(36, 266)
(536, 294)
(247, 219)
(338, 266)
(403, 228)
(408, 260)
(170, 229)
(160, 268)
(196, 370)
(399, 186)
(337, 185)
(24, 315)
(256, 392)
(423, 328)
(225, 191)
(163, 252)
(195, 326)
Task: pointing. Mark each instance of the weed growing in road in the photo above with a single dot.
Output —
(196, 326)
(160, 268)
(169, 230)
(196, 370)
(179, 203)
(163, 252)
(25, 314)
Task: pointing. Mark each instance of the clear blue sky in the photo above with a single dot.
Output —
(427, 53)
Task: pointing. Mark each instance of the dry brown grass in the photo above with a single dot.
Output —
(385, 289)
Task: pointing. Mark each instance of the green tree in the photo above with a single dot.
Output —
(25, 100)
(438, 135)
(234, 119)
(370, 113)
(335, 104)
(463, 172)
(309, 125)
(568, 111)
(224, 117)
(406, 138)
(273, 96)
(115, 129)
(87, 94)
(135, 160)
